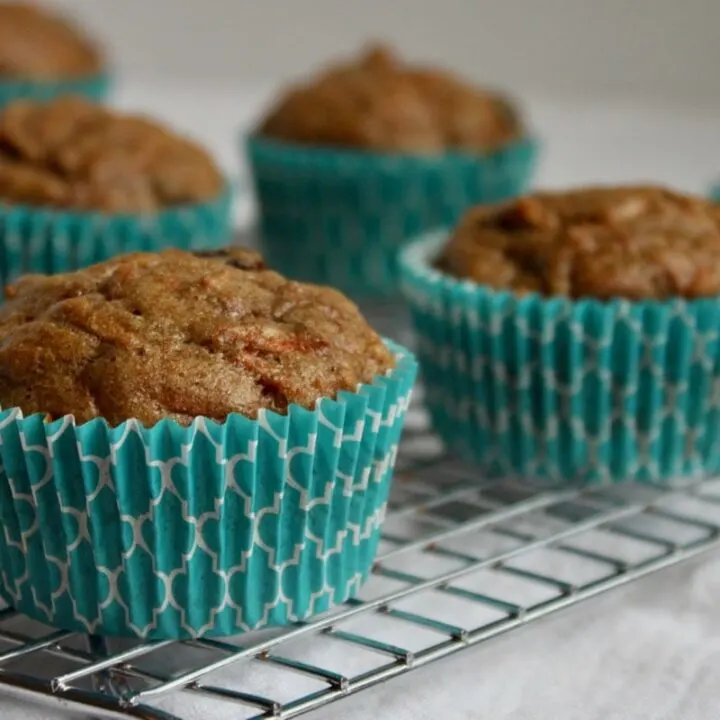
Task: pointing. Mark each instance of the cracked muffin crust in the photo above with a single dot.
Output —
(602, 242)
(176, 335)
(73, 154)
(40, 46)
(377, 102)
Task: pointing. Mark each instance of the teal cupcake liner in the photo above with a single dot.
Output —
(211, 529)
(339, 217)
(551, 389)
(37, 240)
(94, 87)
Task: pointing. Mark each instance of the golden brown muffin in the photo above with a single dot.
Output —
(71, 153)
(377, 102)
(627, 242)
(40, 46)
(177, 335)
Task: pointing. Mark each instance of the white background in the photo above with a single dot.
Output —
(645, 48)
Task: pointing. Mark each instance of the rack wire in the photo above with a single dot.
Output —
(462, 560)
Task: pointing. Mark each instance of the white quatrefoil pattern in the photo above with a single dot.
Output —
(212, 529)
(38, 240)
(555, 390)
(339, 217)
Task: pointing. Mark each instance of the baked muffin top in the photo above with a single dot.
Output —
(600, 242)
(40, 46)
(177, 335)
(377, 102)
(73, 154)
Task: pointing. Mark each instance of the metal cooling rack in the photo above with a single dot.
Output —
(461, 561)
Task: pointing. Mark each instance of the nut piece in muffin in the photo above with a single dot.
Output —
(72, 154)
(39, 46)
(600, 242)
(177, 335)
(377, 102)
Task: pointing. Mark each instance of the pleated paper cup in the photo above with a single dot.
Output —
(211, 529)
(339, 217)
(48, 241)
(553, 389)
(93, 87)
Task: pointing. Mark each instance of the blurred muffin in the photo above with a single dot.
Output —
(75, 155)
(79, 183)
(638, 243)
(575, 336)
(369, 151)
(43, 55)
(379, 103)
(247, 423)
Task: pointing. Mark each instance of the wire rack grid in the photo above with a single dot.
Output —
(462, 560)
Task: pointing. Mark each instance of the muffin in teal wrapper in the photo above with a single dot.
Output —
(373, 151)
(44, 55)
(82, 183)
(41, 240)
(191, 445)
(340, 217)
(212, 529)
(574, 389)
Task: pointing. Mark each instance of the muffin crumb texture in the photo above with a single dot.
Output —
(377, 102)
(40, 46)
(626, 242)
(176, 335)
(73, 154)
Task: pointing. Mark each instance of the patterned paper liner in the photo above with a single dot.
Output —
(50, 241)
(95, 87)
(212, 529)
(339, 217)
(555, 390)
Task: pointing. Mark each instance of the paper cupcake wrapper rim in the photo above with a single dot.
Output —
(94, 87)
(560, 390)
(46, 240)
(348, 160)
(339, 217)
(211, 529)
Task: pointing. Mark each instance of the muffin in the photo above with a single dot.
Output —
(575, 336)
(373, 150)
(43, 55)
(190, 445)
(80, 183)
